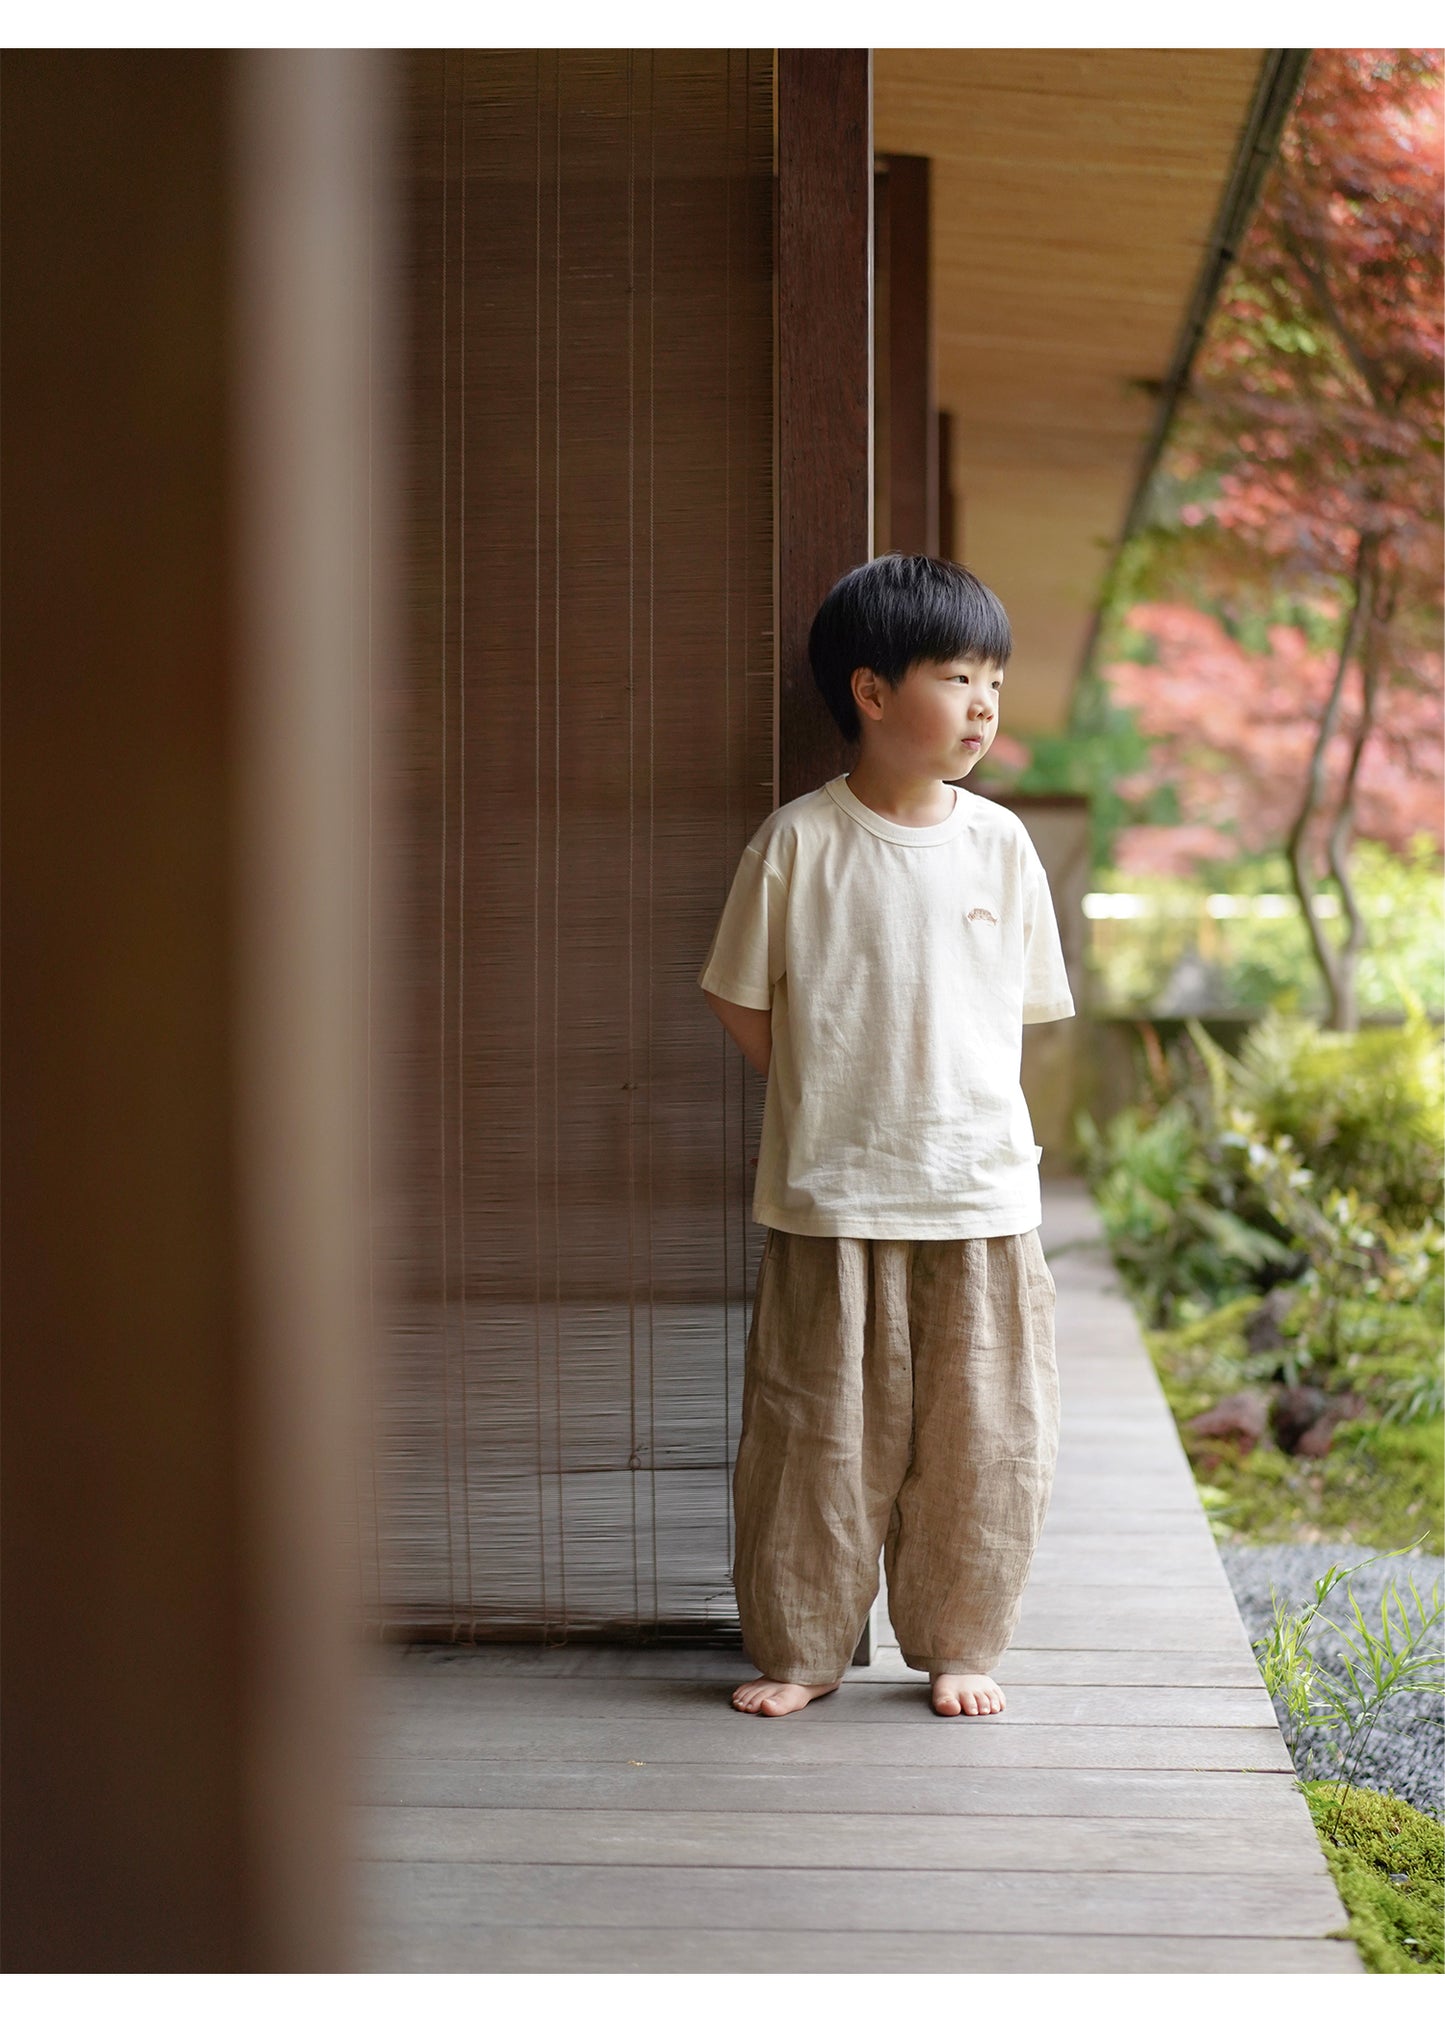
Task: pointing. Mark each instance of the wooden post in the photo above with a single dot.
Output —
(825, 390)
(950, 518)
(912, 447)
(882, 385)
(825, 347)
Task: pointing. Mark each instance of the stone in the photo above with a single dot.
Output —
(1315, 1440)
(1294, 1410)
(1241, 1417)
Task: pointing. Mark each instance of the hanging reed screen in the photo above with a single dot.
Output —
(584, 748)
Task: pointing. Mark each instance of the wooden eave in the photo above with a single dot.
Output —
(1084, 204)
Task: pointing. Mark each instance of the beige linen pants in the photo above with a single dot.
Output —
(900, 1396)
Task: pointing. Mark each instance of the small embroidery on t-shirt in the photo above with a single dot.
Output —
(982, 913)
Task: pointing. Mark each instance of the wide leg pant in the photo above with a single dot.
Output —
(903, 1397)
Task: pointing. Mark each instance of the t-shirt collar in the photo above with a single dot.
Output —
(898, 832)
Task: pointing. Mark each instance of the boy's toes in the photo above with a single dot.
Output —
(785, 1699)
(772, 1696)
(964, 1693)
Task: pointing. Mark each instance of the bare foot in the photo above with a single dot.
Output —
(776, 1696)
(966, 1693)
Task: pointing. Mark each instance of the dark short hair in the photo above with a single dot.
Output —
(895, 611)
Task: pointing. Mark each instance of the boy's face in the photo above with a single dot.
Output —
(938, 722)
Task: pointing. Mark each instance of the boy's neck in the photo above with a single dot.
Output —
(902, 797)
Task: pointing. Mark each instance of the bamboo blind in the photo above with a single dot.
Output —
(583, 747)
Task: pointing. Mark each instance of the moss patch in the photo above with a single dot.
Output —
(1397, 1924)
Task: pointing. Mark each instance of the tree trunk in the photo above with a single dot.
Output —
(1336, 966)
(1345, 1010)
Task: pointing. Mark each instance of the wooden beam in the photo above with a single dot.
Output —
(825, 342)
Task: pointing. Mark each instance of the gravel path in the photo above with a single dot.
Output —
(1406, 1753)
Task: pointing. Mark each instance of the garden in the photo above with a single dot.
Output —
(1259, 738)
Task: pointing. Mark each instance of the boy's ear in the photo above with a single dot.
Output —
(867, 692)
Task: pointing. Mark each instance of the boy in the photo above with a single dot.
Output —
(884, 942)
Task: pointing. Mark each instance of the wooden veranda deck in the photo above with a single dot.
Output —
(1133, 1809)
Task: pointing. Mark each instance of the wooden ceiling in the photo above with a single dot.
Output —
(1074, 193)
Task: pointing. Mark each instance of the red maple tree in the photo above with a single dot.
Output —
(1306, 460)
(1234, 729)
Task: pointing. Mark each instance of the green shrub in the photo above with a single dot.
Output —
(1385, 1352)
(1168, 1208)
(1362, 1110)
(1315, 1156)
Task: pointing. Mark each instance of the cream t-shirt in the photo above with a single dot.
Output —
(900, 966)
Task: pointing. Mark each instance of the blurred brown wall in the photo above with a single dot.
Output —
(186, 245)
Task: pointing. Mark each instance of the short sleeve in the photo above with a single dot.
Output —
(1046, 980)
(746, 957)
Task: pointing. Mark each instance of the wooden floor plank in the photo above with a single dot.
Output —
(1266, 1798)
(1146, 1607)
(1137, 1557)
(525, 1949)
(747, 1738)
(1184, 1905)
(1081, 1626)
(1123, 1668)
(1116, 1531)
(1043, 1843)
(1080, 1503)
